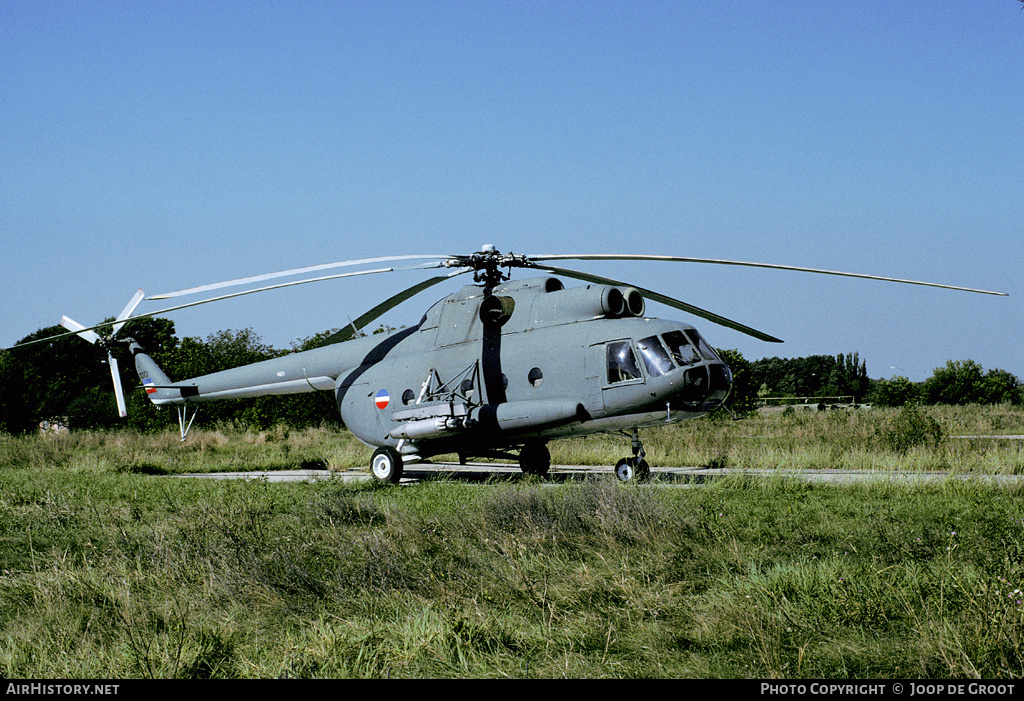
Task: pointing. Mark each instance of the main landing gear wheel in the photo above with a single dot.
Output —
(387, 465)
(535, 459)
(628, 469)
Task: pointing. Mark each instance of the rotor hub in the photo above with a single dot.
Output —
(487, 264)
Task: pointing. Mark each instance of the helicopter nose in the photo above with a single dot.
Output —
(705, 387)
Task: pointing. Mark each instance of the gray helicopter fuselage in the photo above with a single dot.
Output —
(526, 361)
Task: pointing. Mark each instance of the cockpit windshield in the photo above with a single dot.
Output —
(660, 355)
(682, 349)
(705, 348)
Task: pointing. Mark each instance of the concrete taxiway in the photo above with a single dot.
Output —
(667, 476)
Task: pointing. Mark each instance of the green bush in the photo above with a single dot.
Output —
(909, 428)
(895, 392)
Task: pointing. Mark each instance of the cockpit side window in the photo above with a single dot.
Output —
(622, 366)
(681, 349)
(655, 357)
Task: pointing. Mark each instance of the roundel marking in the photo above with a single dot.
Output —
(381, 399)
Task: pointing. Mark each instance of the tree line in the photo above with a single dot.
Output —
(67, 382)
(846, 376)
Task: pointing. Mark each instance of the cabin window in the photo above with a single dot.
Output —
(622, 366)
(655, 357)
(536, 377)
(408, 397)
(681, 349)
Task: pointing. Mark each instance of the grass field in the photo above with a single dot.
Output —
(112, 568)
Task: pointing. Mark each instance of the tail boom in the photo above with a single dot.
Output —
(291, 374)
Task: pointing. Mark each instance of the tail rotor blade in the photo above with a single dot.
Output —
(118, 390)
(72, 325)
(127, 311)
(89, 334)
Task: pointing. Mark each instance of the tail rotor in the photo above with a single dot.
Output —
(107, 343)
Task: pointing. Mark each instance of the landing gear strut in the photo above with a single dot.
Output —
(634, 468)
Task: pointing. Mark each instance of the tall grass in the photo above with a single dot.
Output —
(875, 439)
(851, 439)
(224, 449)
(109, 568)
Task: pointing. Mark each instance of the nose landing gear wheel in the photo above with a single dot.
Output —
(634, 468)
(387, 465)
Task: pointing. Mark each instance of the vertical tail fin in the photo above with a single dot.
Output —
(154, 380)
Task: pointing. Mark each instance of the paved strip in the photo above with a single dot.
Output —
(678, 476)
(1005, 438)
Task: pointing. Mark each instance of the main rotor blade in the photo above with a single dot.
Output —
(772, 266)
(293, 283)
(384, 307)
(658, 297)
(293, 271)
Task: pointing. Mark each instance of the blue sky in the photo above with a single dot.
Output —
(164, 145)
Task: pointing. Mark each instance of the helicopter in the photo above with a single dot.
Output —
(499, 368)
